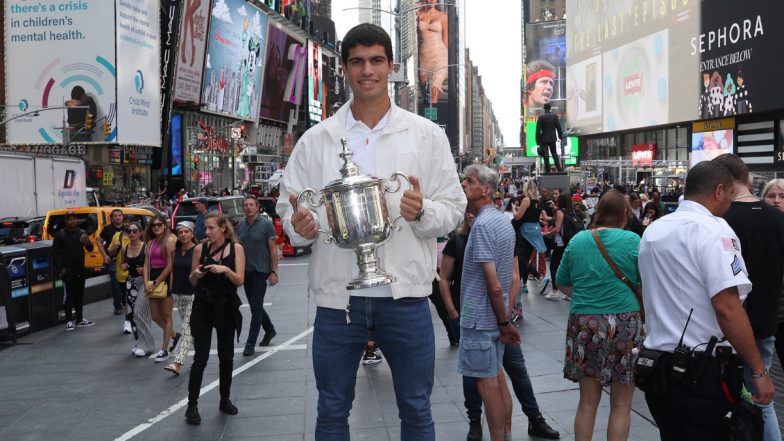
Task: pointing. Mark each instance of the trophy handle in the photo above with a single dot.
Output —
(396, 178)
(394, 226)
(306, 196)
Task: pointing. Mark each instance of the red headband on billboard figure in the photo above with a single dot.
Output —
(539, 74)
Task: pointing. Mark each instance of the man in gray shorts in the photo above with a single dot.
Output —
(484, 294)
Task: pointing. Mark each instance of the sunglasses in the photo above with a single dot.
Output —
(132, 230)
(156, 225)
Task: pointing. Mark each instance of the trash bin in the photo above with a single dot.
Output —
(40, 280)
(7, 310)
(15, 260)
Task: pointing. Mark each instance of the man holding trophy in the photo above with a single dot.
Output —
(356, 299)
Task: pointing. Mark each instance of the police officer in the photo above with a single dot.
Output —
(691, 263)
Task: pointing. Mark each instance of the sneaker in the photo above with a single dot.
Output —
(474, 429)
(371, 357)
(524, 289)
(192, 414)
(138, 352)
(554, 295)
(161, 356)
(267, 338)
(84, 323)
(174, 341)
(517, 314)
(249, 349)
(127, 327)
(227, 407)
(543, 285)
(539, 427)
(69, 326)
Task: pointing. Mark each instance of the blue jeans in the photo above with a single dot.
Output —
(772, 431)
(255, 290)
(403, 329)
(514, 365)
(114, 285)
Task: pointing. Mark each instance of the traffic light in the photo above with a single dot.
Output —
(107, 128)
(489, 151)
(88, 121)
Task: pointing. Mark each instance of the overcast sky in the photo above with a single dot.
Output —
(493, 37)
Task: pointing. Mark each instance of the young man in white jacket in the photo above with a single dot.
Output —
(383, 139)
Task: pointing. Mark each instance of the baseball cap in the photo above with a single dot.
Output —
(201, 200)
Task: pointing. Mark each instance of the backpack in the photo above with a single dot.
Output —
(570, 226)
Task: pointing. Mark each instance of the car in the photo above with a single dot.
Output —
(91, 221)
(152, 209)
(268, 208)
(14, 230)
(230, 206)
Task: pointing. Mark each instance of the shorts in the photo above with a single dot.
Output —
(481, 353)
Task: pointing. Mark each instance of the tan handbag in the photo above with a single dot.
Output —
(160, 292)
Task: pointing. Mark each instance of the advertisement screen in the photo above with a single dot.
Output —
(707, 145)
(568, 154)
(315, 79)
(190, 54)
(545, 79)
(234, 61)
(176, 145)
(59, 58)
(284, 75)
(433, 57)
(138, 73)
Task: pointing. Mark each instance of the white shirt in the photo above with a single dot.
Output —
(685, 259)
(362, 143)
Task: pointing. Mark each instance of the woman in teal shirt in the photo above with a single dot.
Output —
(604, 321)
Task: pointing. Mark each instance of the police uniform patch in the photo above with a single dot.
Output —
(730, 244)
(736, 266)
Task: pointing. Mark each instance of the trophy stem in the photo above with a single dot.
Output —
(369, 273)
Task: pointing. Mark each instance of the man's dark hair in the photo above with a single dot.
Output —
(736, 167)
(365, 34)
(547, 106)
(116, 210)
(77, 92)
(704, 177)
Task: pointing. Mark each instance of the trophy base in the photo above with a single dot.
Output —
(370, 280)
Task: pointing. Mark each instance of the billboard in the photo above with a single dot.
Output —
(315, 80)
(433, 56)
(545, 79)
(707, 145)
(56, 54)
(284, 75)
(568, 152)
(138, 73)
(234, 60)
(190, 56)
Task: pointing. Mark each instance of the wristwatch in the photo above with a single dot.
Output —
(503, 323)
(760, 374)
(419, 215)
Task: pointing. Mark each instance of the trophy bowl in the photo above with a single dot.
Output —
(358, 218)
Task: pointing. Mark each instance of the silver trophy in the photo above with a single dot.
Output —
(358, 217)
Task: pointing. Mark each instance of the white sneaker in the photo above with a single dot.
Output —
(138, 352)
(161, 356)
(554, 295)
(127, 327)
(69, 326)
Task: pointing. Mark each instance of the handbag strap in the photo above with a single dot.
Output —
(610, 262)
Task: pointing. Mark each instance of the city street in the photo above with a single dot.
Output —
(86, 385)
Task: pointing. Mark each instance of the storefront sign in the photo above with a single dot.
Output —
(716, 124)
(643, 154)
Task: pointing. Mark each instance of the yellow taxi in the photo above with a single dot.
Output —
(91, 221)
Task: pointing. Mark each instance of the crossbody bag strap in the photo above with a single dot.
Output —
(610, 262)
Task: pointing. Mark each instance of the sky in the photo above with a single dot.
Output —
(493, 38)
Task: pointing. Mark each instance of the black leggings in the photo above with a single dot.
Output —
(555, 262)
(202, 322)
(524, 261)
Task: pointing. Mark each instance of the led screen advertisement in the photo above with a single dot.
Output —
(433, 56)
(315, 80)
(138, 73)
(707, 145)
(59, 56)
(234, 60)
(190, 53)
(545, 79)
(568, 153)
(284, 75)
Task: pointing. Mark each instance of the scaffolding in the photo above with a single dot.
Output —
(660, 173)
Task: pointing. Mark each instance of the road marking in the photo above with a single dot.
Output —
(258, 349)
(293, 264)
(244, 305)
(184, 402)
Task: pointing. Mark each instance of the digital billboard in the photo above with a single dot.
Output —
(315, 78)
(433, 56)
(190, 54)
(235, 59)
(59, 56)
(707, 145)
(545, 76)
(568, 153)
(284, 75)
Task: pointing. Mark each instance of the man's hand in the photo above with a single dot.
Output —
(412, 201)
(273, 279)
(509, 335)
(302, 220)
(765, 390)
(84, 239)
(107, 259)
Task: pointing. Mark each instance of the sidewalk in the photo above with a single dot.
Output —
(85, 385)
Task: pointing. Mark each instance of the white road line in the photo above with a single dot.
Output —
(258, 349)
(293, 264)
(244, 305)
(184, 402)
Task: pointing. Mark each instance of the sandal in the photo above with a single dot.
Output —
(173, 368)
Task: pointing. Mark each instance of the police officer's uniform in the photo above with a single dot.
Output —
(685, 259)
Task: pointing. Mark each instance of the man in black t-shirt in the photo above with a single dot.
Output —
(760, 229)
(110, 260)
(68, 255)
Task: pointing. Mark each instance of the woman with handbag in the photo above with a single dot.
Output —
(133, 262)
(217, 269)
(605, 320)
(157, 269)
